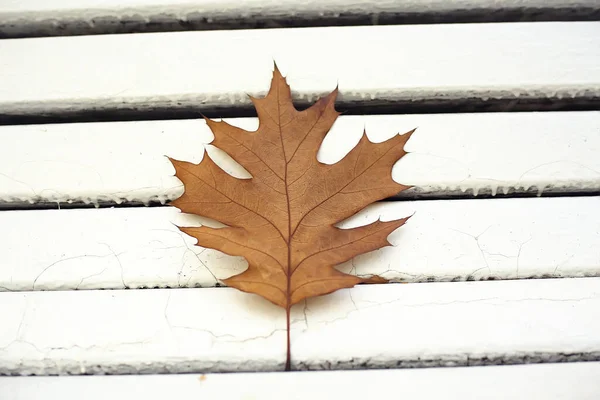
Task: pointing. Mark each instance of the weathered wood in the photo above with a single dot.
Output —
(452, 155)
(370, 326)
(146, 76)
(29, 18)
(445, 240)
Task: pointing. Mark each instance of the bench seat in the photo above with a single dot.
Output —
(495, 280)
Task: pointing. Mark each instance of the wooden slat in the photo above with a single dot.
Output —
(87, 76)
(370, 326)
(247, 8)
(453, 155)
(548, 381)
(26, 18)
(445, 240)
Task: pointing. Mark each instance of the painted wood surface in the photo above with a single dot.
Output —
(63, 330)
(443, 241)
(564, 381)
(30, 18)
(381, 64)
(452, 155)
(370, 326)
(290, 7)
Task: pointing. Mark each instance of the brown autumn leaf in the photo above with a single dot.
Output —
(282, 220)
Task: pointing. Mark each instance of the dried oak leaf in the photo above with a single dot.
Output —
(282, 219)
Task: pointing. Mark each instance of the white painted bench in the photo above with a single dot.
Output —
(501, 262)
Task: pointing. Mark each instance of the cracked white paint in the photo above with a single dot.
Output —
(75, 332)
(115, 161)
(125, 161)
(547, 381)
(451, 324)
(181, 330)
(443, 241)
(409, 62)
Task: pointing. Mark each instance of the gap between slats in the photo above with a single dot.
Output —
(448, 195)
(473, 102)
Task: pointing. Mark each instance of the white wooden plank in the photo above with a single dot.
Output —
(56, 17)
(444, 240)
(75, 8)
(371, 326)
(565, 381)
(219, 68)
(450, 154)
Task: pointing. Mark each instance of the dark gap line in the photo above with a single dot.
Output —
(486, 193)
(353, 107)
(144, 22)
(79, 204)
(512, 357)
(218, 285)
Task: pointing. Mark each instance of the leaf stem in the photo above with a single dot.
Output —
(288, 360)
